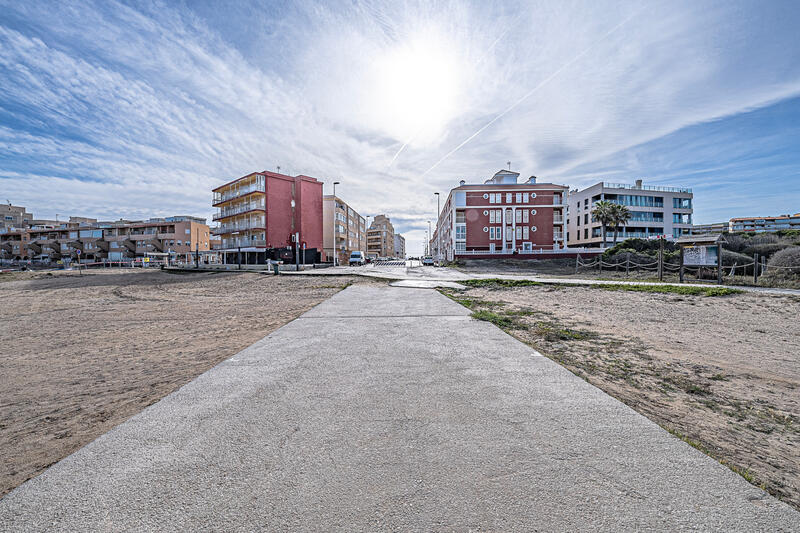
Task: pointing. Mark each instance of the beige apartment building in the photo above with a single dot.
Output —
(380, 238)
(350, 227)
(12, 216)
(174, 238)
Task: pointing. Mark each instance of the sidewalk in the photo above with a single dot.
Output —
(389, 409)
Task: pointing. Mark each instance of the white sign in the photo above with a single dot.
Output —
(700, 255)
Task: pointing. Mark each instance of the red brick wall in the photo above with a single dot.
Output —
(310, 213)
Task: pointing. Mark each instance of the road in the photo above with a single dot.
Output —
(389, 409)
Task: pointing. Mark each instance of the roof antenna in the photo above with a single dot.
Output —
(509, 165)
(279, 169)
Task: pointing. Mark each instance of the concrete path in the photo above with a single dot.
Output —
(434, 274)
(389, 409)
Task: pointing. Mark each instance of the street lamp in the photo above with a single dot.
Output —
(333, 248)
(438, 237)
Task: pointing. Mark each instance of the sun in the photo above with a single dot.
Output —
(415, 89)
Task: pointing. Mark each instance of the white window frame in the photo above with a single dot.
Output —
(524, 198)
(509, 197)
(524, 233)
(519, 197)
(518, 233)
(524, 216)
(518, 216)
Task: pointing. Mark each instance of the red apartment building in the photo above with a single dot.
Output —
(502, 218)
(260, 214)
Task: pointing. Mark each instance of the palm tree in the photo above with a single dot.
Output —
(603, 212)
(621, 215)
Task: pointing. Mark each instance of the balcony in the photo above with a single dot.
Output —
(243, 243)
(237, 210)
(230, 228)
(220, 197)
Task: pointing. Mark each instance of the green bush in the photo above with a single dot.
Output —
(643, 246)
(766, 249)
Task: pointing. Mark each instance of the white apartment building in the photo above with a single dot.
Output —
(655, 211)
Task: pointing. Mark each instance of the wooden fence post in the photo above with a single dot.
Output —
(755, 269)
(577, 260)
(681, 271)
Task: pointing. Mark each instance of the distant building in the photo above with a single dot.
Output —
(12, 216)
(351, 229)
(90, 241)
(765, 224)
(380, 237)
(399, 246)
(708, 229)
(655, 211)
(261, 214)
(501, 217)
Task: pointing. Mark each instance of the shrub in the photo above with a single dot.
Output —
(787, 259)
(736, 243)
(643, 246)
(766, 249)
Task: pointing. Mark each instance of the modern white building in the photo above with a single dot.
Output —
(399, 246)
(765, 224)
(655, 211)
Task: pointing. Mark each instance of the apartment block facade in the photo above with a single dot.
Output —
(266, 215)
(380, 238)
(12, 216)
(399, 246)
(765, 224)
(90, 241)
(351, 229)
(501, 217)
(656, 211)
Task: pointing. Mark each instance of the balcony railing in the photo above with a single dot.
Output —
(225, 213)
(230, 228)
(243, 243)
(236, 193)
(645, 187)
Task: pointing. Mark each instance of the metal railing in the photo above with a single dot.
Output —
(229, 228)
(225, 213)
(244, 243)
(236, 193)
(656, 188)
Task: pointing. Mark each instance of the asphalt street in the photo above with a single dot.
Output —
(388, 408)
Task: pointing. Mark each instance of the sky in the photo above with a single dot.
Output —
(135, 110)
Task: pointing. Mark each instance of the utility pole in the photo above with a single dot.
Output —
(333, 248)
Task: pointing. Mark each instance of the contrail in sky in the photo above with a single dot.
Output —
(529, 93)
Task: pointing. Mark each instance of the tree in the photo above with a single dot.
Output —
(620, 216)
(603, 212)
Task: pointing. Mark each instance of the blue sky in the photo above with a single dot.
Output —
(139, 109)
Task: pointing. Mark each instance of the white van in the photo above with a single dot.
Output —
(357, 258)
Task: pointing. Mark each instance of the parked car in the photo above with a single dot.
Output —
(427, 261)
(357, 258)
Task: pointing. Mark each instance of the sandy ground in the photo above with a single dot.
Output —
(82, 354)
(722, 372)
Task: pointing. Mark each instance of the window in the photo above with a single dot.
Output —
(508, 198)
(188, 231)
(586, 233)
(682, 203)
(461, 247)
(586, 218)
(518, 216)
(461, 232)
(519, 233)
(491, 216)
(524, 198)
(519, 197)
(525, 216)
(491, 233)
(524, 232)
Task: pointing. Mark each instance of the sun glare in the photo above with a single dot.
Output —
(416, 89)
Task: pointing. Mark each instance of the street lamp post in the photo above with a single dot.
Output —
(333, 247)
(430, 236)
(438, 237)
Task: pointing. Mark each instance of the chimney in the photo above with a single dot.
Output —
(462, 183)
(638, 184)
